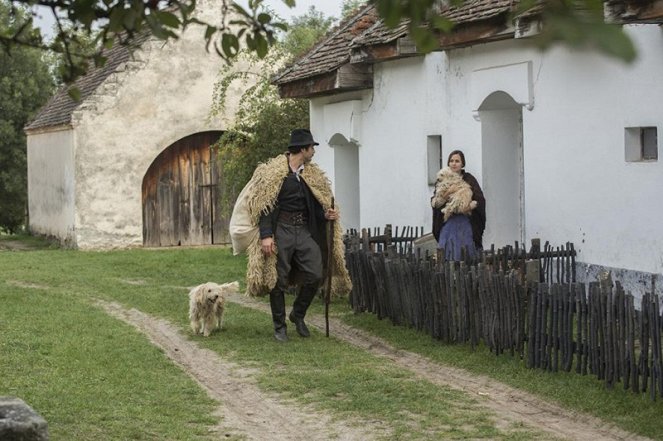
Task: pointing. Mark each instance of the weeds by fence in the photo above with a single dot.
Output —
(550, 322)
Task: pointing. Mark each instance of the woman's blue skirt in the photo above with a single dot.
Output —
(456, 234)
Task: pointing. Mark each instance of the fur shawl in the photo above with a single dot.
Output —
(452, 194)
(261, 197)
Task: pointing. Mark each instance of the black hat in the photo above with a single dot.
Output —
(301, 137)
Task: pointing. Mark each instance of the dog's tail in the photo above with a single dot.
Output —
(232, 286)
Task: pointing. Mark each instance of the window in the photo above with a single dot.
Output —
(434, 157)
(641, 144)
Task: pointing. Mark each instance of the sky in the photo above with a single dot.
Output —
(328, 7)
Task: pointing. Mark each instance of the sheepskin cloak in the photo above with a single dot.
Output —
(260, 196)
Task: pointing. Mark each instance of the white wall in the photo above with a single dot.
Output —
(392, 140)
(161, 97)
(578, 186)
(51, 184)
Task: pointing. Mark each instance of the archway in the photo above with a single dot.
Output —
(346, 179)
(180, 195)
(503, 170)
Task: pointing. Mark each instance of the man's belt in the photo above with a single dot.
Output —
(292, 217)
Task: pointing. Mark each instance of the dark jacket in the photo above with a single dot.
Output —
(477, 218)
(316, 220)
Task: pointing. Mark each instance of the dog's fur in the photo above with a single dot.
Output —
(207, 304)
(453, 191)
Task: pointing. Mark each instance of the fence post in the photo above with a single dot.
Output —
(532, 271)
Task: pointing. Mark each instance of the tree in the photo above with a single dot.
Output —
(350, 6)
(304, 31)
(574, 22)
(263, 121)
(25, 85)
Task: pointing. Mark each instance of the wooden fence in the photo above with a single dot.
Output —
(544, 264)
(593, 328)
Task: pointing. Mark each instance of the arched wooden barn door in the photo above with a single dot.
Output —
(181, 191)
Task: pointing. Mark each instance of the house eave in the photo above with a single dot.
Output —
(402, 47)
(635, 12)
(478, 32)
(48, 129)
(346, 78)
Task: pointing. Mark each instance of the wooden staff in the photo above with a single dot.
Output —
(330, 257)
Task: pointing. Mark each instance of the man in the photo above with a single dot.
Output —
(288, 201)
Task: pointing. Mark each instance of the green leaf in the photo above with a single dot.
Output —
(229, 44)
(129, 19)
(264, 18)
(168, 19)
(423, 38)
(209, 32)
(75, 93)
(116, 20)
(262, 47)
(613, 41)
(442, 24)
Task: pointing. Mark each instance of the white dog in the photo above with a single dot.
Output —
(206, 306)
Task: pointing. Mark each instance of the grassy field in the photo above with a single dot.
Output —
(95, 378)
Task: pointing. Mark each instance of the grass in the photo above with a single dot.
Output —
(633, 412)
(25, 241)
(94, 378)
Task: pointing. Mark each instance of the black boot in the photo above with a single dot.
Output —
(277, 302)
(302, 302)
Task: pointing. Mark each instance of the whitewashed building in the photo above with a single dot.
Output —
(565, 143)
(130, 163)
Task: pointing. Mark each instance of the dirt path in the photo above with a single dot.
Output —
(508, 404)
(250, 412)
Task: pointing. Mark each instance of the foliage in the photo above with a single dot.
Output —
(350, 6)
(572, 22)
(304, 31)
(255, 28)
(125, 21)
(263, 121)
(25, 85)
(82, 45)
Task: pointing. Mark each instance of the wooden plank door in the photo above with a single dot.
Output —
(180, 204)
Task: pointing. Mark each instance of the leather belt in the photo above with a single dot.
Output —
(292, 217)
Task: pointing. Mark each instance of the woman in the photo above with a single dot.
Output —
(459, 209)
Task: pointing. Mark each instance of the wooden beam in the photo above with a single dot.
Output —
(346, 78)
(639, 11)
(400, 48)
(475, 33)
(354, 76)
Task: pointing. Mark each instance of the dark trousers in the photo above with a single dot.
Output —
(296, 248)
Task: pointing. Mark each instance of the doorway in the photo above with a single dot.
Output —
(346, 180)
(180, 194)
(503, 169)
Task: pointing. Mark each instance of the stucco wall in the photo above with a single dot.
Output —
(160, 97)
(577, 185)
(392, 140)
(51, 184)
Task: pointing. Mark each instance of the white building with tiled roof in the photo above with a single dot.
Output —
(130, 163)
(565, 143)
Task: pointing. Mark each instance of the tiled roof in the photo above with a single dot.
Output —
(476, 10)
(366, 29)
(469, 11)
(333, 51)
(59, 109)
